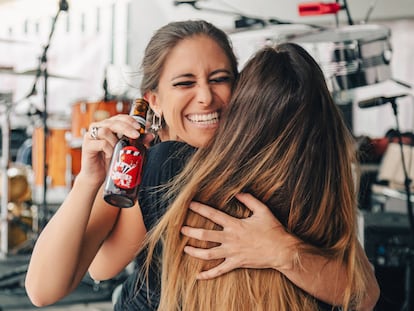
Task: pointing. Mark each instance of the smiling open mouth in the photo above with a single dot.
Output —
(208, 118)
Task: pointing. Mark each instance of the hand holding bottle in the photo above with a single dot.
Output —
(124, 173)
(97, 150)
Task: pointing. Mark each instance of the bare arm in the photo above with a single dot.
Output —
(271, 247)
(130, 233)
(66, 246)
(326, 279)
(72, 238)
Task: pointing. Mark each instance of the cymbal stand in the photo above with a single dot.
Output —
(43, 72)
(5, 131)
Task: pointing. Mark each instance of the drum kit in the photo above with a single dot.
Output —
(54, 156)
(22, 181)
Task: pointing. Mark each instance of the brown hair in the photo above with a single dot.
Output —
(283, 140)
(167, 37)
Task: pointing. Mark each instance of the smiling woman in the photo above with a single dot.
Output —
(194, 87)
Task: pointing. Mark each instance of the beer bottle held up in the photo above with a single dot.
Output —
(124, 175)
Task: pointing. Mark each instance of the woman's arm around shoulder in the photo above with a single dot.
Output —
(261, 241)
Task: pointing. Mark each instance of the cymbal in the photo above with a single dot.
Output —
(32, 72)
(6, 40)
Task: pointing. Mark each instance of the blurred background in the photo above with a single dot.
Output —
(65, 64)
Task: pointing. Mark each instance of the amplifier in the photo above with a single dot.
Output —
(387, 238)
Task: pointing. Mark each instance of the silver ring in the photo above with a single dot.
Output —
(94, 132)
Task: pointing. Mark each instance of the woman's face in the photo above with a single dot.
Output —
(195, 86)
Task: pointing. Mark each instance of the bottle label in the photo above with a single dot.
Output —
(126, 171)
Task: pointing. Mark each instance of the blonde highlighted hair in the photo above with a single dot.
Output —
(283, 140)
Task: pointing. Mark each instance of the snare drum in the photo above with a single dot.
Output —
(351, 56)
(85, 112)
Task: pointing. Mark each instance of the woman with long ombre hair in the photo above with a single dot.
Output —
(283, 141)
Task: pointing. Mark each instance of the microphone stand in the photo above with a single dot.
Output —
(408, 252)
(42, 71)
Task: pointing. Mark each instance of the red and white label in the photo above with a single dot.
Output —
(126, 171)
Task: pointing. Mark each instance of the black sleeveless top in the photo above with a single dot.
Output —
(164, 161)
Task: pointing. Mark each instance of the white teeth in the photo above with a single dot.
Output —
(208, 118)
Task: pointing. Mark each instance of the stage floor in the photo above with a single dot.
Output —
(88, 296)
(97, 306)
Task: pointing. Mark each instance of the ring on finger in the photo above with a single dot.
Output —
(94, 132)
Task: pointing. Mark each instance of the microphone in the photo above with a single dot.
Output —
(192, 3)
(63, 5)
(378, 101)
(318, 8)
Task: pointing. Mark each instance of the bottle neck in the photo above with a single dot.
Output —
(140, 120)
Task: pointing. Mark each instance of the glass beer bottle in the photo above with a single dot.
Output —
(124, 175)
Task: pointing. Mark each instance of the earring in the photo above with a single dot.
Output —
(156, 124)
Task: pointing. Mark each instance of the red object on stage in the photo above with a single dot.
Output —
(318, 8)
